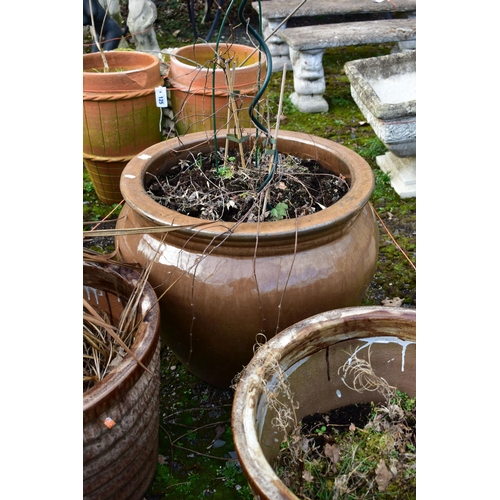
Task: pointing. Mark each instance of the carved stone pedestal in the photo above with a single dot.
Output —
(384, 88)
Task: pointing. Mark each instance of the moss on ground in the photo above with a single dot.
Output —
(195, 439)
(93, 208)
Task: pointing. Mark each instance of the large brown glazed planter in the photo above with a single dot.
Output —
(310, 354)
(195, 94)
(120, 462)
(233, 282)
(120, 116)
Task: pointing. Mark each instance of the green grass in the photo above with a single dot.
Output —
(93, 208)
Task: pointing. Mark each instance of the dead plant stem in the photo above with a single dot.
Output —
(97, 38)
(231, 78)
(288, 276)
(110, 329)
(280, 109)
(280, 104)
(201, 454)
(168, 417)
(195, 429)
(393, 239)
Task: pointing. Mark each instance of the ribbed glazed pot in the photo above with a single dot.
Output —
(234, 281)
(309, 354)
(197, 90)
(120, 462)
(120, 116)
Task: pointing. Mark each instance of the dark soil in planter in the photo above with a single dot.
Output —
(339, 419)
(229, 192)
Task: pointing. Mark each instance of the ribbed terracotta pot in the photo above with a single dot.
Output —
(232, 282)
(120, 462)
(120, 116)
(309, 355)
(196, 97)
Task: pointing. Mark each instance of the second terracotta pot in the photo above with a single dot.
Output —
(232, 283)
(199, 92)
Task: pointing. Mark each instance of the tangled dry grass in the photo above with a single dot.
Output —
(105, 341)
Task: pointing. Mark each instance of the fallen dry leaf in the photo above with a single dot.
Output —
(332, 451)
(120, 354)
(383, 475)
(308, 476)
(219, 430)
(304, 445)
(395, 302)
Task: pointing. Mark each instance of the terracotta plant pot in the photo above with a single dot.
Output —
(309, 354)
(120, 462)
(195, 95)
(120, 116)
(233, 282)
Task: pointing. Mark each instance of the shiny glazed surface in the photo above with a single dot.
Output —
(310, 353)
(232, 283)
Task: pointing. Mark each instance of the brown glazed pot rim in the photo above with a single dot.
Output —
(340, 324)
(121, 279)
(360, 177)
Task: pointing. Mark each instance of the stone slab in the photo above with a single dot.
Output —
(345, 34)
(280, 9)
